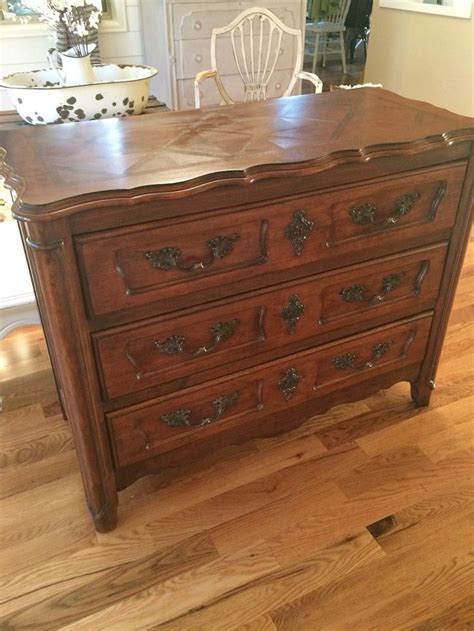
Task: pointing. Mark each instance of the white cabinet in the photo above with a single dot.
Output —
(177, 40)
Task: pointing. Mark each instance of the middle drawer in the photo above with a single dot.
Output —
(144, 355)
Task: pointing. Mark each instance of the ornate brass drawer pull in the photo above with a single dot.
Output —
(358, 292)
(299, 230)
(220, 332)
(348, 360)
(287, 384)
(292, 312)
(365, 214)
(167, 258)
(182, 417)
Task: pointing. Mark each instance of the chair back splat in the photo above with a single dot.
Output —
(256, 39)
(256, 42)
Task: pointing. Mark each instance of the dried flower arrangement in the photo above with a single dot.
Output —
(75, 22)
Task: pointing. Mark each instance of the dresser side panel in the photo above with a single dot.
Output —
(50, 255)
(425, 382)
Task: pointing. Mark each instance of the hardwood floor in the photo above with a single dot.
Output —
(361, 519)
(333, 75)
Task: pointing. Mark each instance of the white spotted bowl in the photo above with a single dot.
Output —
(119, 90)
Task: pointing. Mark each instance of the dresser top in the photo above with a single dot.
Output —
(195, 149)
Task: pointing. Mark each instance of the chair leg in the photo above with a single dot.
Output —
(343, 52)
(315, 54)
(325, 45)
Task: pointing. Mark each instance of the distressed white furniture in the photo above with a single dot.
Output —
(256, 37)
(323, 29)
(177, 41)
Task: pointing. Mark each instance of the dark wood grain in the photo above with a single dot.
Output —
(117, 275)
(135, 357)
(143, 432)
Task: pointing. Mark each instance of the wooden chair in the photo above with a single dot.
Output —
(333, 23)
(255, 37)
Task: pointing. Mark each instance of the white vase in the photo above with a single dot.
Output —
(75, 70)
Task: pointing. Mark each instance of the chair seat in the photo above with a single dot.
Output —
(325, 27)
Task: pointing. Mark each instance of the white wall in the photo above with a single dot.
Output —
(423, 56)
(25, 48)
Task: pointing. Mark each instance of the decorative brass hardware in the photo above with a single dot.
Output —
(220, 332)
(169, 257)
(299, 230)
(365, 214)
(404, 204)
(182, 417)
(424, 269)
(347, 360)
(292, 312)
(440, 192)
(357, 292)
(289, 381)
(172, 345)
(391, 282)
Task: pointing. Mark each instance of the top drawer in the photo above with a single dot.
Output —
(212, 256)
(196, 20)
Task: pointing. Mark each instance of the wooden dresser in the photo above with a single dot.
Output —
(204, 277)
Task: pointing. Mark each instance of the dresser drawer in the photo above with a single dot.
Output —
(197, 260)
(175, 420)
(193, 21)
(141, 356)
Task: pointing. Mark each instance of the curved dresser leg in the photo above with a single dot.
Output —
(421, 392)
(105, 519)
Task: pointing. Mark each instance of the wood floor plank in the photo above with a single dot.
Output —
(27, 389)
(457, 437)
(41, 510)
(414, 523)
(20, 562)
(353, 428)
(311, 477)
(44, 610)
(25, 477)
(262, 623)
(457, 617)
(396, 592)
(267, 593)
(424, 429)
(50, 442)
(189, 485)
(165, 526)
(401, 469)
(282, 514)
(182, 593)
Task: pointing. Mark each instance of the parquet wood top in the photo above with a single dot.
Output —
(181, 147)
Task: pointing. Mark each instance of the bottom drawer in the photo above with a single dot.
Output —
(190, 415)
